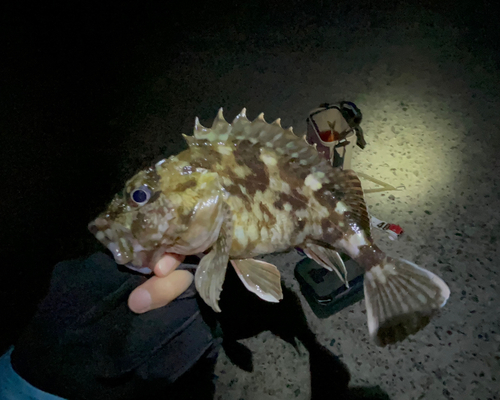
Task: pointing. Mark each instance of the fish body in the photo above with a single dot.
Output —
(250, 188)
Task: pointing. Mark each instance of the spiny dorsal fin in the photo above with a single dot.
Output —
(295, 152)
(283, 141)
(219, 131)
(189, 139)
(258, 131)
(274, 136)
(220, 124)
(199, 129)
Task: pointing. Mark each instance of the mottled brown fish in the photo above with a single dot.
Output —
(251, 188)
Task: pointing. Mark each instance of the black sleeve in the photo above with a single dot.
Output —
(85, 343)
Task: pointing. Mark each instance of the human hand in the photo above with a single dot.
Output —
(161, 289)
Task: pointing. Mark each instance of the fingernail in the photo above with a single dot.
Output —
(140, 301)
(164, 269)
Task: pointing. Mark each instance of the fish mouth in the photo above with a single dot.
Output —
(125, 249)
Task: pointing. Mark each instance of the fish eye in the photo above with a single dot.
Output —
(141, 195)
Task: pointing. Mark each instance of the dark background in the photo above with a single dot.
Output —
(73, 82)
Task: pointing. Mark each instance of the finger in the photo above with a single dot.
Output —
(157, 291)
(168, 263)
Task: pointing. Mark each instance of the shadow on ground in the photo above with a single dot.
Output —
(245, 315)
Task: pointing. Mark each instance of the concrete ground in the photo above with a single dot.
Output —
(428, 86)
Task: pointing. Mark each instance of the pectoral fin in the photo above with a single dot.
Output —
(212, 268)
(328, 259)
(260, 277)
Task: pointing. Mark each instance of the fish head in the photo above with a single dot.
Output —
(135, 225)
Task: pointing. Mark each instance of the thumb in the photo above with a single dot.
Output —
(158, 291)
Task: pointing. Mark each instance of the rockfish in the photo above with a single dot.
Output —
(249, 188)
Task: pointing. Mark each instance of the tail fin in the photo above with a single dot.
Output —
(401, 298)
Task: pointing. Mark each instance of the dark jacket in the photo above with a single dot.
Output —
(85, 343)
